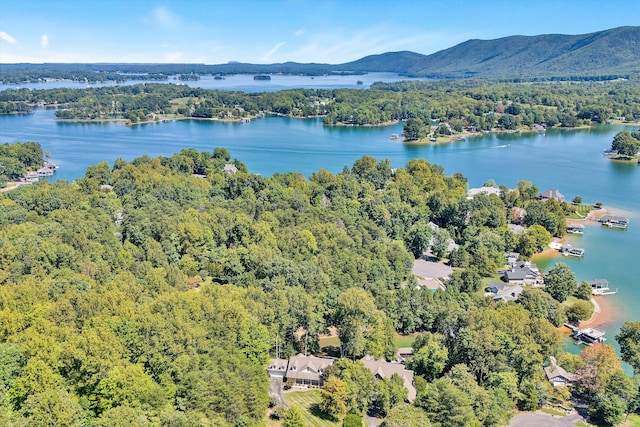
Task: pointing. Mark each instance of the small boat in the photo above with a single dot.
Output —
(261, 77)
(360, 82)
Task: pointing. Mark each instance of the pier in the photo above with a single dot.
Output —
(586, 336)
(613, 221)
(568, 250)
(600, 287)
(575, 229)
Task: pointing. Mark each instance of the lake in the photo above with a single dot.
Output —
(240, 82)
(568, 160)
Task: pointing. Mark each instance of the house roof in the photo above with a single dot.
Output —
(522, 270)
(482, 190)
(230, 168)
(278, 365)
(516, 229)
(384, 369)
(551, 194)
(495, 287)
(554, 371)
(508, 293)
(307, 367)
(598, 282)
(614, 218)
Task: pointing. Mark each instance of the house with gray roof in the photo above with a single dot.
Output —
(473, 192)
(557, 375)
(307, 370)
(523, 273)
(504, 292)
(383, 369)
(551, 194)
(277, 367)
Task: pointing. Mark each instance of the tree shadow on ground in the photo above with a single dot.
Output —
(331, 351)
(317, 412)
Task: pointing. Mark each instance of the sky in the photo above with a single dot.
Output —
(273, 31)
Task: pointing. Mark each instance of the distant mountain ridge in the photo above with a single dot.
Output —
(610, 52)
(614, 51)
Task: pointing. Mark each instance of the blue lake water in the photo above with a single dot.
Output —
(240, 82)
(568, 160)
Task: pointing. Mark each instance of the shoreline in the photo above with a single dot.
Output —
(605, 310)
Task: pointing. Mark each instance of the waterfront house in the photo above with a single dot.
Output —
(512, 258)
(473, 192)
(551, 194)
(523, 273)
(307, 371)
(504, 292)
(230, 168)
(557, 375)
(383, 369)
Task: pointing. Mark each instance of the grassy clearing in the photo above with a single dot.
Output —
(580, 211)
(307, 402)
(633, 421)
(405, 340)
(334, 341)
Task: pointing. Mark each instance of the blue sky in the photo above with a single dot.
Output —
(269, 31)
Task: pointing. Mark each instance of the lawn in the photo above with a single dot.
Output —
(580, 211)
(633, 421)
(331, 345)
(307, 402)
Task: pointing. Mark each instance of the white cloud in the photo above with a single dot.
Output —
(6, 37)
(44, 41)
(299, 32)
(273, 50)
(164, 17)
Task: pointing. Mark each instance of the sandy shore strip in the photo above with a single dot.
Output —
(605, 313)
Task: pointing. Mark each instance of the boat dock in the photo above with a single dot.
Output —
(575, 229)
(586, 336)
(47, 170)
(568, 250)
(613, 221)
(601, 287)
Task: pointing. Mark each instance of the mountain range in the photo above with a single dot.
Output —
(614, 52)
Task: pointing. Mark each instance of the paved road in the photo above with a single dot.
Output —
(543, 420)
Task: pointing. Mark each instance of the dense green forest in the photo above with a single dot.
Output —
(144, 295)
(456, 105)
(16, 159)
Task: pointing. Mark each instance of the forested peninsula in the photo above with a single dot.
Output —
(155, 292)
(444, 108)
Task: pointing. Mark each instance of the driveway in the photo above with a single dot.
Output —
(538, 420)
(275, 389)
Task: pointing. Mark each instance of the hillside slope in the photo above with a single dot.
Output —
(614, 51)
